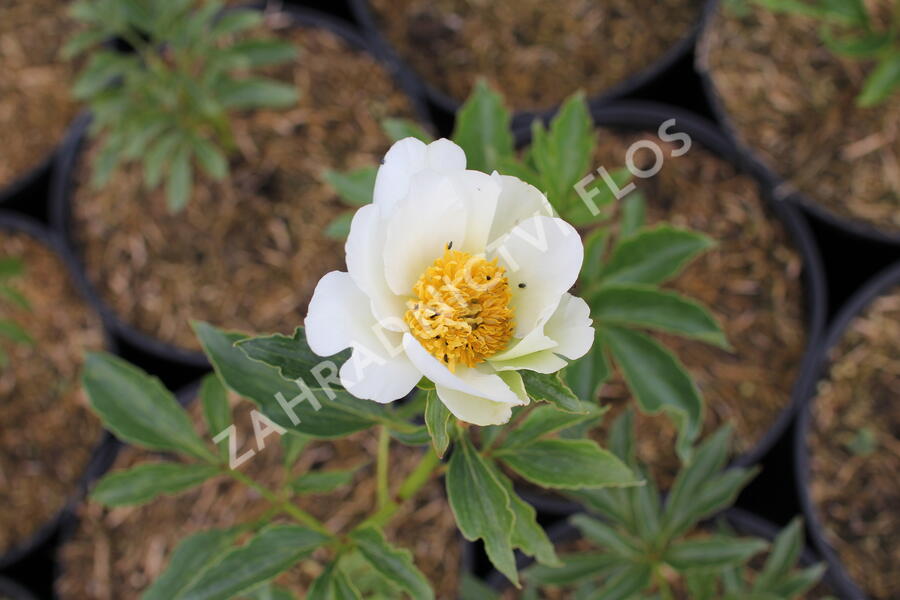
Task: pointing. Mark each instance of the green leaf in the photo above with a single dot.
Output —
(653, 255)
(712, 553)
(157, 156)
(797, 584)
(482, 129)
(256, 93)
(251, 53)
(625, 584)
(180, 180)
(882, 82)
(567, 464)
(528, 535)
(543, 420)
(394, 564)
(785, 552)
(101, 69)
(191, 557)
(658, 381)
(333, 584)
(481, 506)
(138, 408)
(594, 250)
(575, 568)
(318, 482)
(15, 296)
(608, 538)
(474, 589)
(81, 41)
(398, 129)
(650, 307)
(438, 421)
(563, 154)
(13, 331)
(143, 483)
(587, 374)
(11, 267)
(216, 410)
(211, 159)
(551, 388)
(701, 585)
(275, 549)
(634, 209)
(356, 187)
(235, 21)
(336, 416)
(709, 458)
(339, 228)
(291, 356)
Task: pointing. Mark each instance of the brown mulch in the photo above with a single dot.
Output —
(536, 53)
(792, 101)
(47, 432)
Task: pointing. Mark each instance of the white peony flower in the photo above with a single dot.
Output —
(454, 275)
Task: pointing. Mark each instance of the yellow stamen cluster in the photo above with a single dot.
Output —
(460, 309)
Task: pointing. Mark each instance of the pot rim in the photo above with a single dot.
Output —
(65, 165)
(815, 371)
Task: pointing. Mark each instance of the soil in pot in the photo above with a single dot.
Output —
(35, 104)
(854, 449)
(537, 53)
(47, 433)
(750, 280)
(115, 554)
(245, 254)
(794, 103)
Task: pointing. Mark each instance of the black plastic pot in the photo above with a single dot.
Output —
(11, 590)
(100, 458)
(365, 17)
(146, 346)
(782, 189)
(648, 116)
(744, 523)
(21, 195)
(814, 372)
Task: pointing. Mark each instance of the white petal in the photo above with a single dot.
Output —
(542, 362)
(365, 262)
(480, 193)
(474, 382)
(571, 327)
(445, 156)
(517, 202)
(474, 410)
(419, 229)
(340, 317)
(404, 159)
(542, 256)
(535, 341)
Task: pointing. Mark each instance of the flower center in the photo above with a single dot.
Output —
(460, 309)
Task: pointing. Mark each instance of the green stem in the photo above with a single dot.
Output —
(410, 486)
(300, 515)
(384, 449)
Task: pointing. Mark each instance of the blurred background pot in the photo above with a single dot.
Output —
(49, 438)
(763, 281)
(783, 95)
(35, 103)
(847, 457)
(543, 53)
(262, 230)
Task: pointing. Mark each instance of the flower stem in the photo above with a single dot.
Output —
(384, 449)
(300, 515)
(412, 484)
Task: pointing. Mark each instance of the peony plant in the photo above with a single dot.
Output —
(454, 329)
(166, 103)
